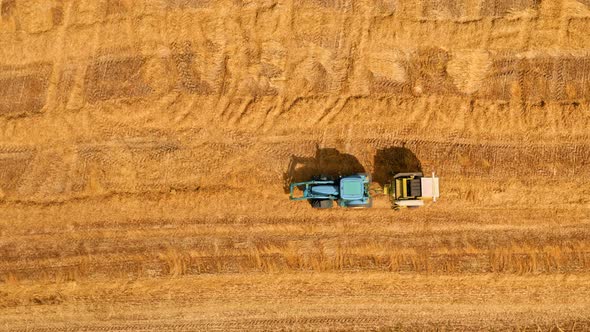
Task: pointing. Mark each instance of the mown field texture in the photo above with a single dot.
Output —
(146, 146)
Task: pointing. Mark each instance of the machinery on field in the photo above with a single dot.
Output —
(411, 189)
(348, 191)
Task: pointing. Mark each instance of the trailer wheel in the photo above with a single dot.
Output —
(321, 203)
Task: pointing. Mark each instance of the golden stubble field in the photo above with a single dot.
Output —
(145, 147)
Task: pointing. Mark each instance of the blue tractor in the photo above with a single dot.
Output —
(348, 191)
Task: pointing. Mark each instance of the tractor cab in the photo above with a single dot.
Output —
(354, 191)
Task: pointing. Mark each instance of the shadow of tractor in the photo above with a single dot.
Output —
(328, 161)
(390, 161)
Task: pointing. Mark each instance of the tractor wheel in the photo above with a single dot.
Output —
(361, 206)
(321, 203)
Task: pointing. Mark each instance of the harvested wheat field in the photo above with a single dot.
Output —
(146, 149)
